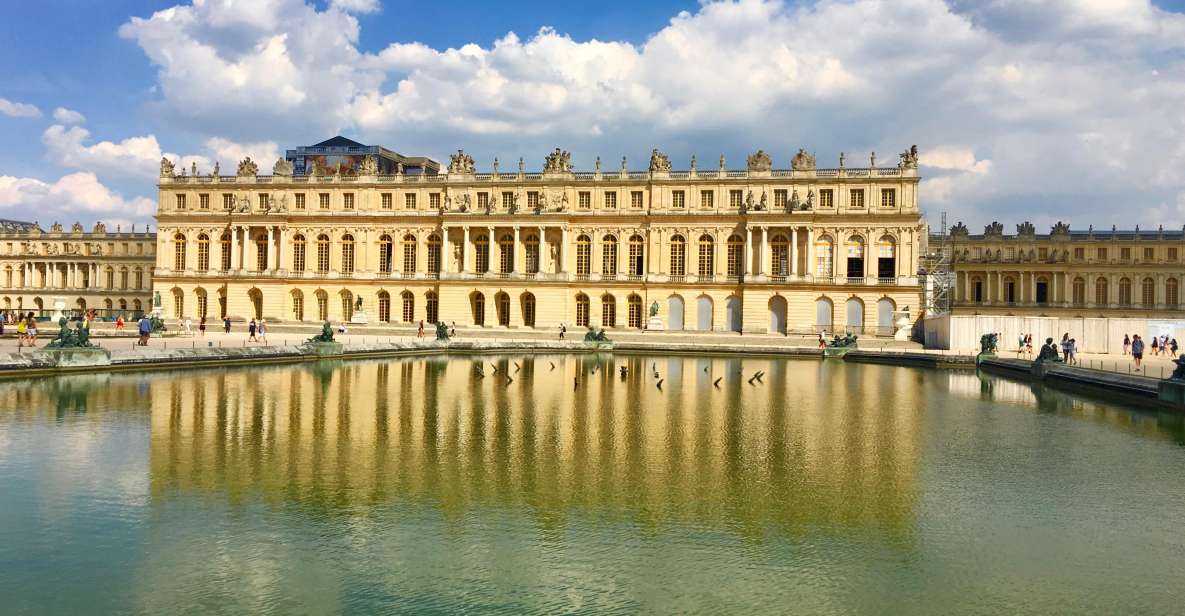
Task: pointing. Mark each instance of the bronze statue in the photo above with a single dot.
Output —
(847, 340)
(595, 335)
(441, 331)
(987, 343)
(1048, 352)
(326, 334)
(78, 338)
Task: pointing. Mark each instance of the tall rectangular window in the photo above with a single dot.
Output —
(584, 200)
(228, 201)
(386, 201)
(610, 200)
(434, 201)
(735, 199)
(780, 199)
(636, 199)
(677, 201)
(1149, 254)
(483, 200)
(204, 201)
(180, 202)
(508, 200)
(1079, 254)
(1173, 255)
(533, 199)
(300, 201)
(888, 197)
(348, 201)
(323, 200)
(1101, 254)
(262, 201)
(707, 199)
(409, 201)
(826, 198)
(1125, 254)
(856, 198)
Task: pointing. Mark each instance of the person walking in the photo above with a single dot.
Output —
(822, 340)
(420, 333)
(1173, 347)
(563, 330)
(22, 333)
(251, 327)
(226, 325)
(1127, 345)
(1020, 345)
(145, 330)
(119, 323)
(263, 331)
(1029, 345)
(31, 327)
(1155, 346)
(1072, 356)
(202, 327)
(188, 326)
(1137, 349)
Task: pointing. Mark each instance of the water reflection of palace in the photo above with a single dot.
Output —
(809, 448)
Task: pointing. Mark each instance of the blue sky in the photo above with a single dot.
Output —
(1042, 110)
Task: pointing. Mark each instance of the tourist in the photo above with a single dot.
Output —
(202, 327)
(1020, 345)
(341, 327)
(420, 334)
(145, 330)
(188, 326)
(1173, 346)
(1137, 349)
(1065, 344)
(563, 330)
(453, 330)
(822, 340)
(1028, 345)
(1127, 344)
(31, 330)
(1155, 346)
(1072, 356)
(226, 325)
(263, 331)
(251, 328)
(22, 330)
(119, 323)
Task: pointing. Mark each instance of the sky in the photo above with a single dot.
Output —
(1037, 110)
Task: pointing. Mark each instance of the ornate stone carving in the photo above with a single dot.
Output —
(99, 228)
(996, 228)
(282, 168)
(559, 161)
(803, 161)
(76, 228)
(959, 230)
(793, 203)
(759, 161)
(461, 163)
(872, 161)
(1060, 228)
(193, 168)
(167, 169)
(841, 158)
(659, 162)
(810, 199)
(248, 168)
(56, 227)
(216, 171)
(909, 158)
(1026, 229)
(369, 165)
(693, 166)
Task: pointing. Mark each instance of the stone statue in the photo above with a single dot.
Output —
(748, 203)
(520, 165)
(721, 163)
(659, 161)
(597, 165)
(1026, 228)
(654, 310)
(847, 340)
(461, 163)
(872, 161)
(987, 344)
(326, 334)
(56, 227)
(282, 168)
(761, 205)
(495, 166)
(810, 199)
(803, 161)
(369, 165)
(909, 158)
(841, 157)
(156, 299)
(358, 303)
(793, 203)
(248, 168)
(76, 228)
(1048, 352)
(760, 161)
(216, 171)
(166, 168)
(441, 331)
(559, 161)
(157, 324)
(1178, 372)
(193, 168)
(693, 163)
(996, 228)
(594, 335)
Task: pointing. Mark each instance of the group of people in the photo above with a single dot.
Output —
(26, 327)
(1162, 345)
(1024, 345)
(1069, 349)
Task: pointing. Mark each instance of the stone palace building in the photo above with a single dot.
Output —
(107, 271)
(367, 234)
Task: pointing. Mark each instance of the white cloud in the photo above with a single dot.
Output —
(68, 116)
(18, 110)
(76, 196)
(356, 6)
(1069, 105)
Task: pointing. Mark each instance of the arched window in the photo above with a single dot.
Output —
(297, 305)
(123, 277)
(203, 264)
(1170, 293)
(479, 309)
(1079, 291)
(502, 306)
(736, 255)
(609, 255)
(531, 246)
(608, 311)
(634, 303)
(384, 307)
(322, 305)
(824, 257)
(108, 305)
(505, 256)
(637, 263)
(855, 257)
(179, 252)
(322, 254)
(347, 254)
(299, 247)
(1100, 291)
(779, 255)
(1148, 292)
(178, 304)
(385, 254)
(678, 256)
(224, 243)
(581, 310)
(139, 274)
(431, 307)
(256, 297)
(886, 258)
(202, 304)
(481, 254)
(409, 255)
(1125, 292)
(409, 306)
(529, 309)
(433, 254)
(583, 255)
(347, 300)
(707, 256)
(261, 253)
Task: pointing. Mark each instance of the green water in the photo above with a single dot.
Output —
(418, 486)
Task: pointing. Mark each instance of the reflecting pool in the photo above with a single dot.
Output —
(545, 484)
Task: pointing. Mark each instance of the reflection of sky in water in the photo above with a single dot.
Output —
(418, 485)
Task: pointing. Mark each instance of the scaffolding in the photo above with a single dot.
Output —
(938, 278)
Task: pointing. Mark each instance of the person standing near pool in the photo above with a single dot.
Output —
(1137, 349)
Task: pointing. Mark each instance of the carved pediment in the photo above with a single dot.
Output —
(559, 161)
(461, 163)
(803, 161)
(248, 168)
(760, 161)
(282, 168)
(659, 161)
(996, 229)
(1026, 229)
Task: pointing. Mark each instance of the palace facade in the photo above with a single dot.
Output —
(96, 269)
(754, 250)
(1064, 273)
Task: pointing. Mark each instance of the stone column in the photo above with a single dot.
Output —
(810, 251)
(464, 263)
(283, 245)
(748, 267)
(794, 251)
(234, 248)
(517, 269)
(271, 249)
(721, 256)
(562, 266)
(493, 255)
(761, 256)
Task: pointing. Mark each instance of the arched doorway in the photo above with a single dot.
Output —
(884, 316)
(528, 310)
(256, 303)
(777, 315)
(703, 313)
(855, 313)
(823, 314)
(675, 313)
(478, 303)
(384, 307)
(733, 312)
(502, 305)
(178, 303)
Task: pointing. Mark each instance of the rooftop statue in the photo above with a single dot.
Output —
(99, 228)
(248, 168)
(369, 165)
(76, 228)
(996, 228)
(167, 169)
(909, 158)
(56, 227)
(803, 161)
(1060, 228)
(217, 170)
(283, 168)
(461, 163)
(959, 230)
(559, 161)
(760, 161)
(1026, 228)
(659, 161)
